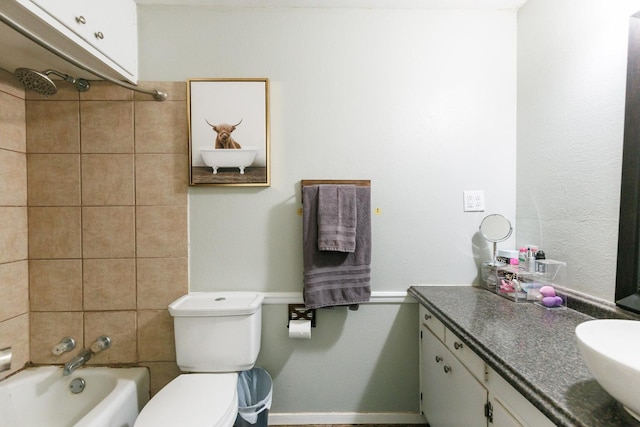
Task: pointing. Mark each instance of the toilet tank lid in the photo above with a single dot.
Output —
(196, 304)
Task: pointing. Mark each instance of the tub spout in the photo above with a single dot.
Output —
(78, 361)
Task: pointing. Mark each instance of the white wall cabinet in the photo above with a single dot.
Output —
(86, 30)
(458, 389)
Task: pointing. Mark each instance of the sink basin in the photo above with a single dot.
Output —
(611, 350)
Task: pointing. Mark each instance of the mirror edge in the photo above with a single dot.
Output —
(627, 295)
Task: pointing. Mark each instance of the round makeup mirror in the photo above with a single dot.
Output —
(495, 228)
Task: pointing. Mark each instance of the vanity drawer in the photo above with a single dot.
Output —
(434, 325)
(472, 361)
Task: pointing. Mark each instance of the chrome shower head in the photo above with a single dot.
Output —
(36, 81)
(40, 82)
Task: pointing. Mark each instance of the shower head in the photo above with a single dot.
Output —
(36, 81)
(41, 83)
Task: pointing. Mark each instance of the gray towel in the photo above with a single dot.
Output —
(337, 218)
(336, 278)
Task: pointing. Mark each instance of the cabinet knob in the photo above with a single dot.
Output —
(438, 359)
(427, 316)
(81, 20)
(99, 35)
(457, 345)
(447, 369)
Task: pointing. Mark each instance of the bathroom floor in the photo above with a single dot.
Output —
(358, 425)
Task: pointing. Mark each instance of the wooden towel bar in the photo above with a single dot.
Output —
(356, 182)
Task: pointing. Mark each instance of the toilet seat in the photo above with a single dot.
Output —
(193, 400)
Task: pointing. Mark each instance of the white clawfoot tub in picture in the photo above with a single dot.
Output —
(42, 396)
(228, 157)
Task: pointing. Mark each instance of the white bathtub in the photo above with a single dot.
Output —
(228, 157)
(41, 396)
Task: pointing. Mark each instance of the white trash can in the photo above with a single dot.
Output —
(255, 390)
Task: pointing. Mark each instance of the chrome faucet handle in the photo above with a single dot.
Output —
(67, 344)
(101, 343)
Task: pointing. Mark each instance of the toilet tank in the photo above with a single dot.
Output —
(217, 331)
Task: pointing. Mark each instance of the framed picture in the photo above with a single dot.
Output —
(229, 132)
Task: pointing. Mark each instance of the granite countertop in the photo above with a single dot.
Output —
(533, 348)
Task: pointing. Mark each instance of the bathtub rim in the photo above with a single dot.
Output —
(127, 378)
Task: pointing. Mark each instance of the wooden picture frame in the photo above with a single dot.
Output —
(229, 142)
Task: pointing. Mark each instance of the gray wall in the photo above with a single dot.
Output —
(421, 102)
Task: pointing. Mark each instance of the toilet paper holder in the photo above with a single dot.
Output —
(300, 312)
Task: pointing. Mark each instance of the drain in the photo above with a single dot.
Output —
(77, 385)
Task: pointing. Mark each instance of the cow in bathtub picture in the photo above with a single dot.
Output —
(223, 135)
(229, 142)
(227, 152)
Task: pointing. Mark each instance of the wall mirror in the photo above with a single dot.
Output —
(495, 228)
(627, 293)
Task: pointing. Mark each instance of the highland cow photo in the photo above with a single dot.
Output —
(229, 132)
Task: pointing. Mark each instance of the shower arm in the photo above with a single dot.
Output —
(157, 94)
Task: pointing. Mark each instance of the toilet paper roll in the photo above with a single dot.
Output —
(300, 329)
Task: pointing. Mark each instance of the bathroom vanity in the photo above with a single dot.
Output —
(487, 361)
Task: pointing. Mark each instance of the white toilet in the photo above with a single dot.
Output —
(217, 335)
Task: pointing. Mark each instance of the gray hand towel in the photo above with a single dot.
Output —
(336, 278)
(337, 218)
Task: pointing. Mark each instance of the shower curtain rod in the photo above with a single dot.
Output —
(157, 94)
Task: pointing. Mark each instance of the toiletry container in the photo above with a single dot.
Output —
(217, 335)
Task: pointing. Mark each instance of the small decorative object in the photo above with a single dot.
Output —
(548, 297)
(229, 132)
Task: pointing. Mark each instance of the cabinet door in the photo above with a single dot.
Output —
(73, 14)
(501, 415)
(507, 399)
(433, 379)
(114, 31)
(467, 397)
(451, 396)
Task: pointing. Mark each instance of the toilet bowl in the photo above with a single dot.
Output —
(193, 400)
(217, 335)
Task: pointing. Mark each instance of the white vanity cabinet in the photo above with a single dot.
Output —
(86, 30)
(457, 388)
(509, 408)
(451, 395)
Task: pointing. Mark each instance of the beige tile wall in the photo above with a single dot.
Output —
(108, 177)
(14, 278)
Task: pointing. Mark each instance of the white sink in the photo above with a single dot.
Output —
(611, 350)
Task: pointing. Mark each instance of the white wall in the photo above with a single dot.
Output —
(420, 102)
(571, 94)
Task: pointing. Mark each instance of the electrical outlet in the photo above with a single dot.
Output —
(473, 201)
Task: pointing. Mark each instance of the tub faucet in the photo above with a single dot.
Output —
(101, 343)
(78, 361)
(67, 344)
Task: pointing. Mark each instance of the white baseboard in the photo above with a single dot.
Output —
(303, 418)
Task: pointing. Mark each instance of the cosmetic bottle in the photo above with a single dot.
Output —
(522, 257)
(540, 267)
(531, 261)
